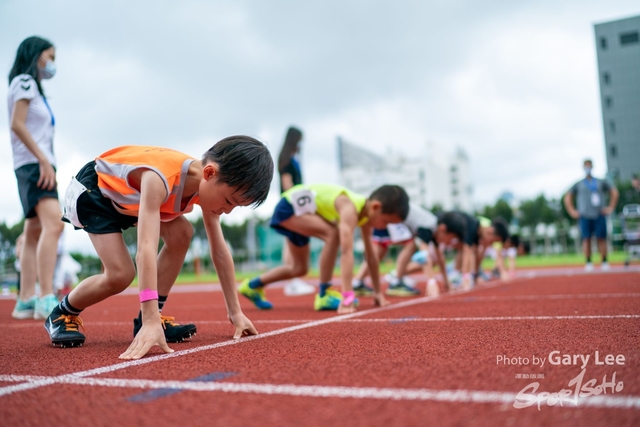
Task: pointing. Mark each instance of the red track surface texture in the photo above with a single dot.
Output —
(463, 359)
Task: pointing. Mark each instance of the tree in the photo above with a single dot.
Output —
(539, 210)
(500, 209)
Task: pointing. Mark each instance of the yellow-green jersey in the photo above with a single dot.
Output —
(321, 199)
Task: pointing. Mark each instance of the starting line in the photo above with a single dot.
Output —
(447, 396)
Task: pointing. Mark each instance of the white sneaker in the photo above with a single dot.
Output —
(588, 267)
(605, 266)
(391, 278)
(298, 287)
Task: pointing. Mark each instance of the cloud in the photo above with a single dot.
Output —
(514, 83)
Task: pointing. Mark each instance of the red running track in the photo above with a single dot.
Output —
(418, 362)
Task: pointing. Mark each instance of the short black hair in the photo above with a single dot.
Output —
(394, 200)
(245, 164)
(515, 240)
(455, 222)
(27, 57)
(501, 228)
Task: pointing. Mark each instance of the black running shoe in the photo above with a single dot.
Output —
(173, 332)
(63, 329)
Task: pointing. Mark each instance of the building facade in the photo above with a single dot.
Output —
(618, 48)
(430, 176)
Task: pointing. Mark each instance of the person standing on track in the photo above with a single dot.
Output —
(32, 126)
(332, 213)
(152, 188)
(589, 194)
(290, 175)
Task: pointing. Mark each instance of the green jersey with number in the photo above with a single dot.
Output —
(325, 196)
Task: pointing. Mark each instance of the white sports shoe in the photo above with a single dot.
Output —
(605, 266)
(298, 287)
(588, 267)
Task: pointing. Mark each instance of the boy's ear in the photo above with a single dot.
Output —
(210, 170)
(376, 206)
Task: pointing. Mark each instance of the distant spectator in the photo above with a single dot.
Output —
(290, 175)
(288, 164)
(589, 194)
(32, 127)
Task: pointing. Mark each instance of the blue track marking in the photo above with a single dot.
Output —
(402, 319)
(151, 395)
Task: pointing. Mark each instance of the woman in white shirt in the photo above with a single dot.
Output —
(32, 125)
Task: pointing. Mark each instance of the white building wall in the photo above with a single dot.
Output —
(426, 177)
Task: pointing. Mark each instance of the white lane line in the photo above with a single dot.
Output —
(449, 396)
(402, 319)
(123, 365)
(543, 297)
(498, 318)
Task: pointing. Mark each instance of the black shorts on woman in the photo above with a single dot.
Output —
(30, 194)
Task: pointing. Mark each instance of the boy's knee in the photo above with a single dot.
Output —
(180, 236)
(300, 270)
(120, 279)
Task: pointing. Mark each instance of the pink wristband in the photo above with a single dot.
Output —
(148, 295)
(348, 298)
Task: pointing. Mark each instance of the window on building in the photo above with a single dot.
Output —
(603, 43)
(629, 38)
(614, 151)
(612, 126)
(606, 78)
(608, 101)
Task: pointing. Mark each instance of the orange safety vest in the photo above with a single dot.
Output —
(114, 167)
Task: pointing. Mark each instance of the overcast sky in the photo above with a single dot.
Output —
(513, 82)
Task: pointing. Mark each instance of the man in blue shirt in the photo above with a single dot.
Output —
(589, 196)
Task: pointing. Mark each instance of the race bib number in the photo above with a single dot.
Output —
(303, 202)
(74, 191)
(399, 232)
(595, 199)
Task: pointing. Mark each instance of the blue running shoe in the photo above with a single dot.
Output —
(330, 301)
(24, 309)
(256, 296)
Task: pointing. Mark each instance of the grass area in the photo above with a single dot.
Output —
(533, 261)
(528, 261)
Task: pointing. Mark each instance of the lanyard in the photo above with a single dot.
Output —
(592, 184)
(53, 120)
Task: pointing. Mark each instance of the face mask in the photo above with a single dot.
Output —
(587, 170)
(48, 71)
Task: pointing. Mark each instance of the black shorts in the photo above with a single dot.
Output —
(472, 238)
(95, 211)
(282, 212)
(30, 193)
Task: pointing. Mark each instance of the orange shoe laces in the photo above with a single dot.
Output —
(71, 323)
(169, 320)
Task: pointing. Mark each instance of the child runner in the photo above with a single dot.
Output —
(481, 234)
(431, 231)
(331, 213)
(153, 188)
(505, 256)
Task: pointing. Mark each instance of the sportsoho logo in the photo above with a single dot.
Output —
(577, 388)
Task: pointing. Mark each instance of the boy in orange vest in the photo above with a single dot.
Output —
(152, 188)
